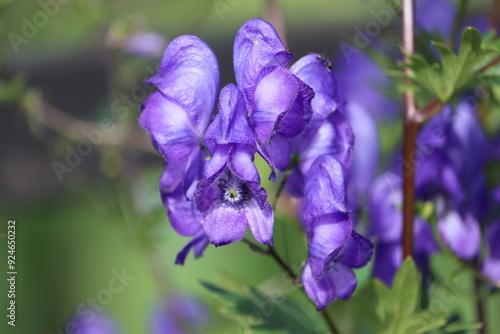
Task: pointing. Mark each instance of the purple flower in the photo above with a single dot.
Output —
(176, 117)
(179, 314)
(98, 324)
(384, 208)
(460, 233)
(230, 198)
(334, 247)
(491, 264)
(277, 102)
(328, 132)
(429, 16)
(145, 44)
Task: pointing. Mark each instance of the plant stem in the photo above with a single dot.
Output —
(410, 136)
(270, 251)
(495, 15)
(479, 305)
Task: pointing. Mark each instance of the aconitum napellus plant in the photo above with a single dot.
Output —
(211, 187)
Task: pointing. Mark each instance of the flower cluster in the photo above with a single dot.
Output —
(211, 187)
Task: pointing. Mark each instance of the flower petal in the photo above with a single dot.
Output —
(357, 251)
(230, 125)
(280, 97)
(261, 221)
(198, 244)
(339, 281)
(169, 128)
(207, 191)
(388, 258)
(324, 189)
(326, 239)
(256, 46)
(279, 151)
(241, 163)
(491, 268)
(182, 213)
(189, 75)
(224, 224)
(460, 234)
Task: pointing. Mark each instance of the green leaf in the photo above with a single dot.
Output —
(425, 321)
(456, 71)
(261, 312)
(399, 303)
(454, 327)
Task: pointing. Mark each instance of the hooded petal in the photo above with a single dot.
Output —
(169, 128)
(324, 189)
(224, 224)
(198, 244)
(189, 75)
(230, 126)
(460, 234)
(357, 251)
(316, 72)
(339, 281)
(261, 221)
(326, 239)
(280, 97)
(256, 46)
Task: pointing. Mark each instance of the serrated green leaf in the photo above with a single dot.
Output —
(425, 321)
(266, 313)
(404, 295)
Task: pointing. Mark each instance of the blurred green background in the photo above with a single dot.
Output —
(106, 214)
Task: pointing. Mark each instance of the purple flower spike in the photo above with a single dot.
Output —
(256, 46)
(189, 76)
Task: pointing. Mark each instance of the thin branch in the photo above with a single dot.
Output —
(410, 135)
(495, 15)
(270, 251)
(122, 135)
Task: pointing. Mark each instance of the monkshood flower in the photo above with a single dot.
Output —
(278, 103)
(231, 198)
(491, 264)
(145, 44)
(334, 247)
(176, 117)
(179, 314)
(384, 209)
(328, 132)
(429, 16)
(99, 324)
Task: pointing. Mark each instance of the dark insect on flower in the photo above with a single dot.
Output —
(328, 64)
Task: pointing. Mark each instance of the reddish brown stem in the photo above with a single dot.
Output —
(410, 137)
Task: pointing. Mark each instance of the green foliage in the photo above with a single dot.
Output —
(256, 311)
(399, 303)
(457, 71)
